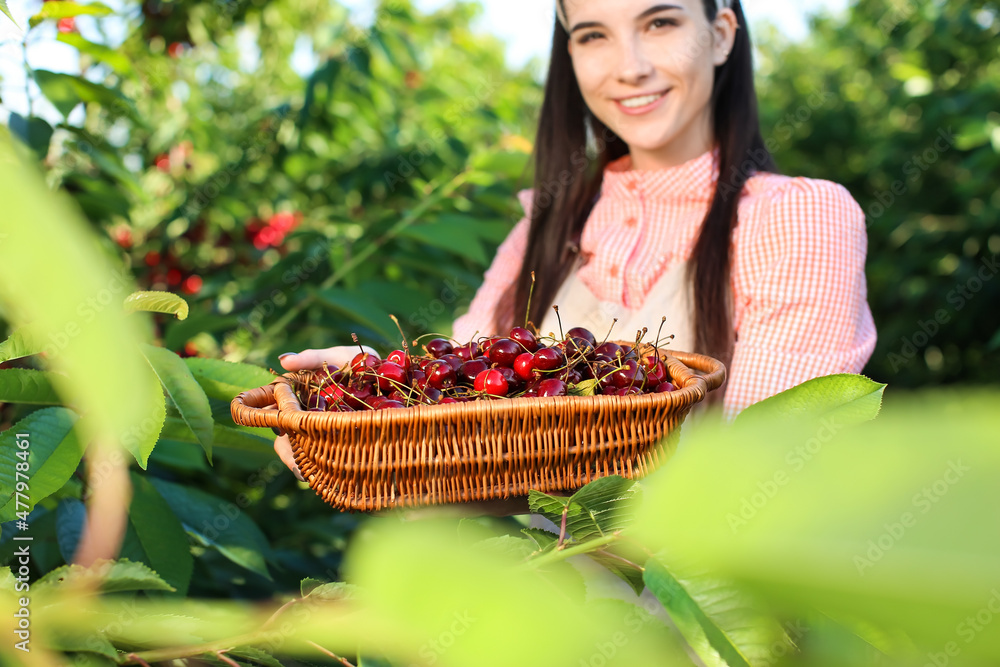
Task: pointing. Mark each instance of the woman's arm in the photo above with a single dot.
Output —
(503, 273)
(799, 279)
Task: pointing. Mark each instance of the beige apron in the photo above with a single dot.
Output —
(669, 297)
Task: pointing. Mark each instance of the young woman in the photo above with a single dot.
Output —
(656, 195)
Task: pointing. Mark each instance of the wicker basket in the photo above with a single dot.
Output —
(481, 450)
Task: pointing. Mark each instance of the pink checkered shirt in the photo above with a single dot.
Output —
(798, 267)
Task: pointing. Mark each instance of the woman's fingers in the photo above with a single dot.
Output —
(283, 447)
(308, 360)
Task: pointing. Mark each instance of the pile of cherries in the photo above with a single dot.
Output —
(515, 366)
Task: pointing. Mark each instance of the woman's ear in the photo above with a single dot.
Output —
(724, 28)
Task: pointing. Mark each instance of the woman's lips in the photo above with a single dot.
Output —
(645, 108)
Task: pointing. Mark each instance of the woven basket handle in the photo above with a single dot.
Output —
(256, 407)
(710, 370)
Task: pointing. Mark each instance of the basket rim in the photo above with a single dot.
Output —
(290, 415)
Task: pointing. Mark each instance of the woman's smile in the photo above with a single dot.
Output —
(642, 104)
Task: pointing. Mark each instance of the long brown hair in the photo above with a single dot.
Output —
(568, 180)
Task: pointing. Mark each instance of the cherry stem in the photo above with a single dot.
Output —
(613, 323)
(354, 337)
(559, 319)
(406, 349)
(531, 291)
(329, 653)
(221, 655)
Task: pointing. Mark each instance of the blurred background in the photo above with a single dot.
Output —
(298, 170)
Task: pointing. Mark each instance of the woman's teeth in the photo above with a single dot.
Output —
(636, 102)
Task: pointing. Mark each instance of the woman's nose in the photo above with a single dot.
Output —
(634, 66)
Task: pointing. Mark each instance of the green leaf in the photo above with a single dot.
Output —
(112, 58)
(54, 452)
(629, 573)
(224, 379)
(585, 388)
(24, 385)
(62, 9)
(161, 536)
(542, 538)
(184, 391)
(115, 576)
(255, 656)
(715, 618)
(65, 91)
(5, 10)
(223, 437)
(218, 523)
(141, 442)
(359, 308)
(458, 238)
(335, 590)
(604, 506)
(551, 507)
(33, 131)
(157, 302)
(849, 398)
(70, 517)
(23, 342)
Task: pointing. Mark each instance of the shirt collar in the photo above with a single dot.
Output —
(691, 180)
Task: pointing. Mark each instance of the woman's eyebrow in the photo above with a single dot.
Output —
(649, 12)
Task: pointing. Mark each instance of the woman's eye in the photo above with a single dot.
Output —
(660, 23)
(589, 36)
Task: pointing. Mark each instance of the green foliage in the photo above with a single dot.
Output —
(898, 102)
(850, 398)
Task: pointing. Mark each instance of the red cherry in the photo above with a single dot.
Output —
(438, 347)
(441, 375)
(549, 359)
(284, 222)
(174, 277)
(470, 370)
(192, 284)
(504, 351)
(175, 49)
(399, 358)
(524, 365)
(390, 405)
(513, 381)
(484, 347)
(665, 387)
(430, 395)
(449, 399)
(630, 391)
(467, 352)
(453, 360)
(363, 361)
(630, 374)
(152, 258)
(609, 349)
(656, 370)
(66, 25)
(390, 375)
(491, 382)
(525, 338)
(580, 332)
(552, 387)
(162, 162)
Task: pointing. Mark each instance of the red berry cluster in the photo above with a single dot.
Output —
(272, 233)
(517, 365)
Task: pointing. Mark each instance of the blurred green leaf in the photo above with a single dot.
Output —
(219, 524)
(22, 342)
(223, 379)
(848, 398)
(5, 10)
(71, 514)
(157, 302)
(53, 454)
(356, 307)
(61, 9)
(185, 392)
(65, 91)
(160, 535)
(114, 59)
(25, 385)
(223, 437)
(714, 617)
(115, 577)
(33, 131)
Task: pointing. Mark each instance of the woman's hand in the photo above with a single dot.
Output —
(310, 360)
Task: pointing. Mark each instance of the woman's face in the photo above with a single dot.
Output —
(646, 70)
